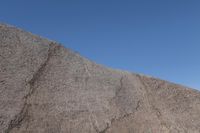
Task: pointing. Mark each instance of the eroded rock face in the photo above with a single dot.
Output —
(46, 88)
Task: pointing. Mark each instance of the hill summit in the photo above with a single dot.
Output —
(46, 88)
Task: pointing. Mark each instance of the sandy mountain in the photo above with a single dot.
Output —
(46, 88)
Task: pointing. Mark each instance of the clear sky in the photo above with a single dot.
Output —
(154, 37)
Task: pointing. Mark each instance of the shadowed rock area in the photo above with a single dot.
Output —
(46, 88)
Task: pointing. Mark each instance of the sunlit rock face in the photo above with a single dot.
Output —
(46, 88)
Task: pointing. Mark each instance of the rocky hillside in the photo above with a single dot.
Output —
(46, 88)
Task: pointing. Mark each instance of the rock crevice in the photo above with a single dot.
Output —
(152, 102)
(18, 119)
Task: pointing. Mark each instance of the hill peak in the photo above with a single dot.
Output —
(46, 88)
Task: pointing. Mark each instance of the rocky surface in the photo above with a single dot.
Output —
(46, 88)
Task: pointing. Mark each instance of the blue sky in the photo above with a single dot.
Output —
(154, 37)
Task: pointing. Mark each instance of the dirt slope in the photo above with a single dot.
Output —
(46, 88)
